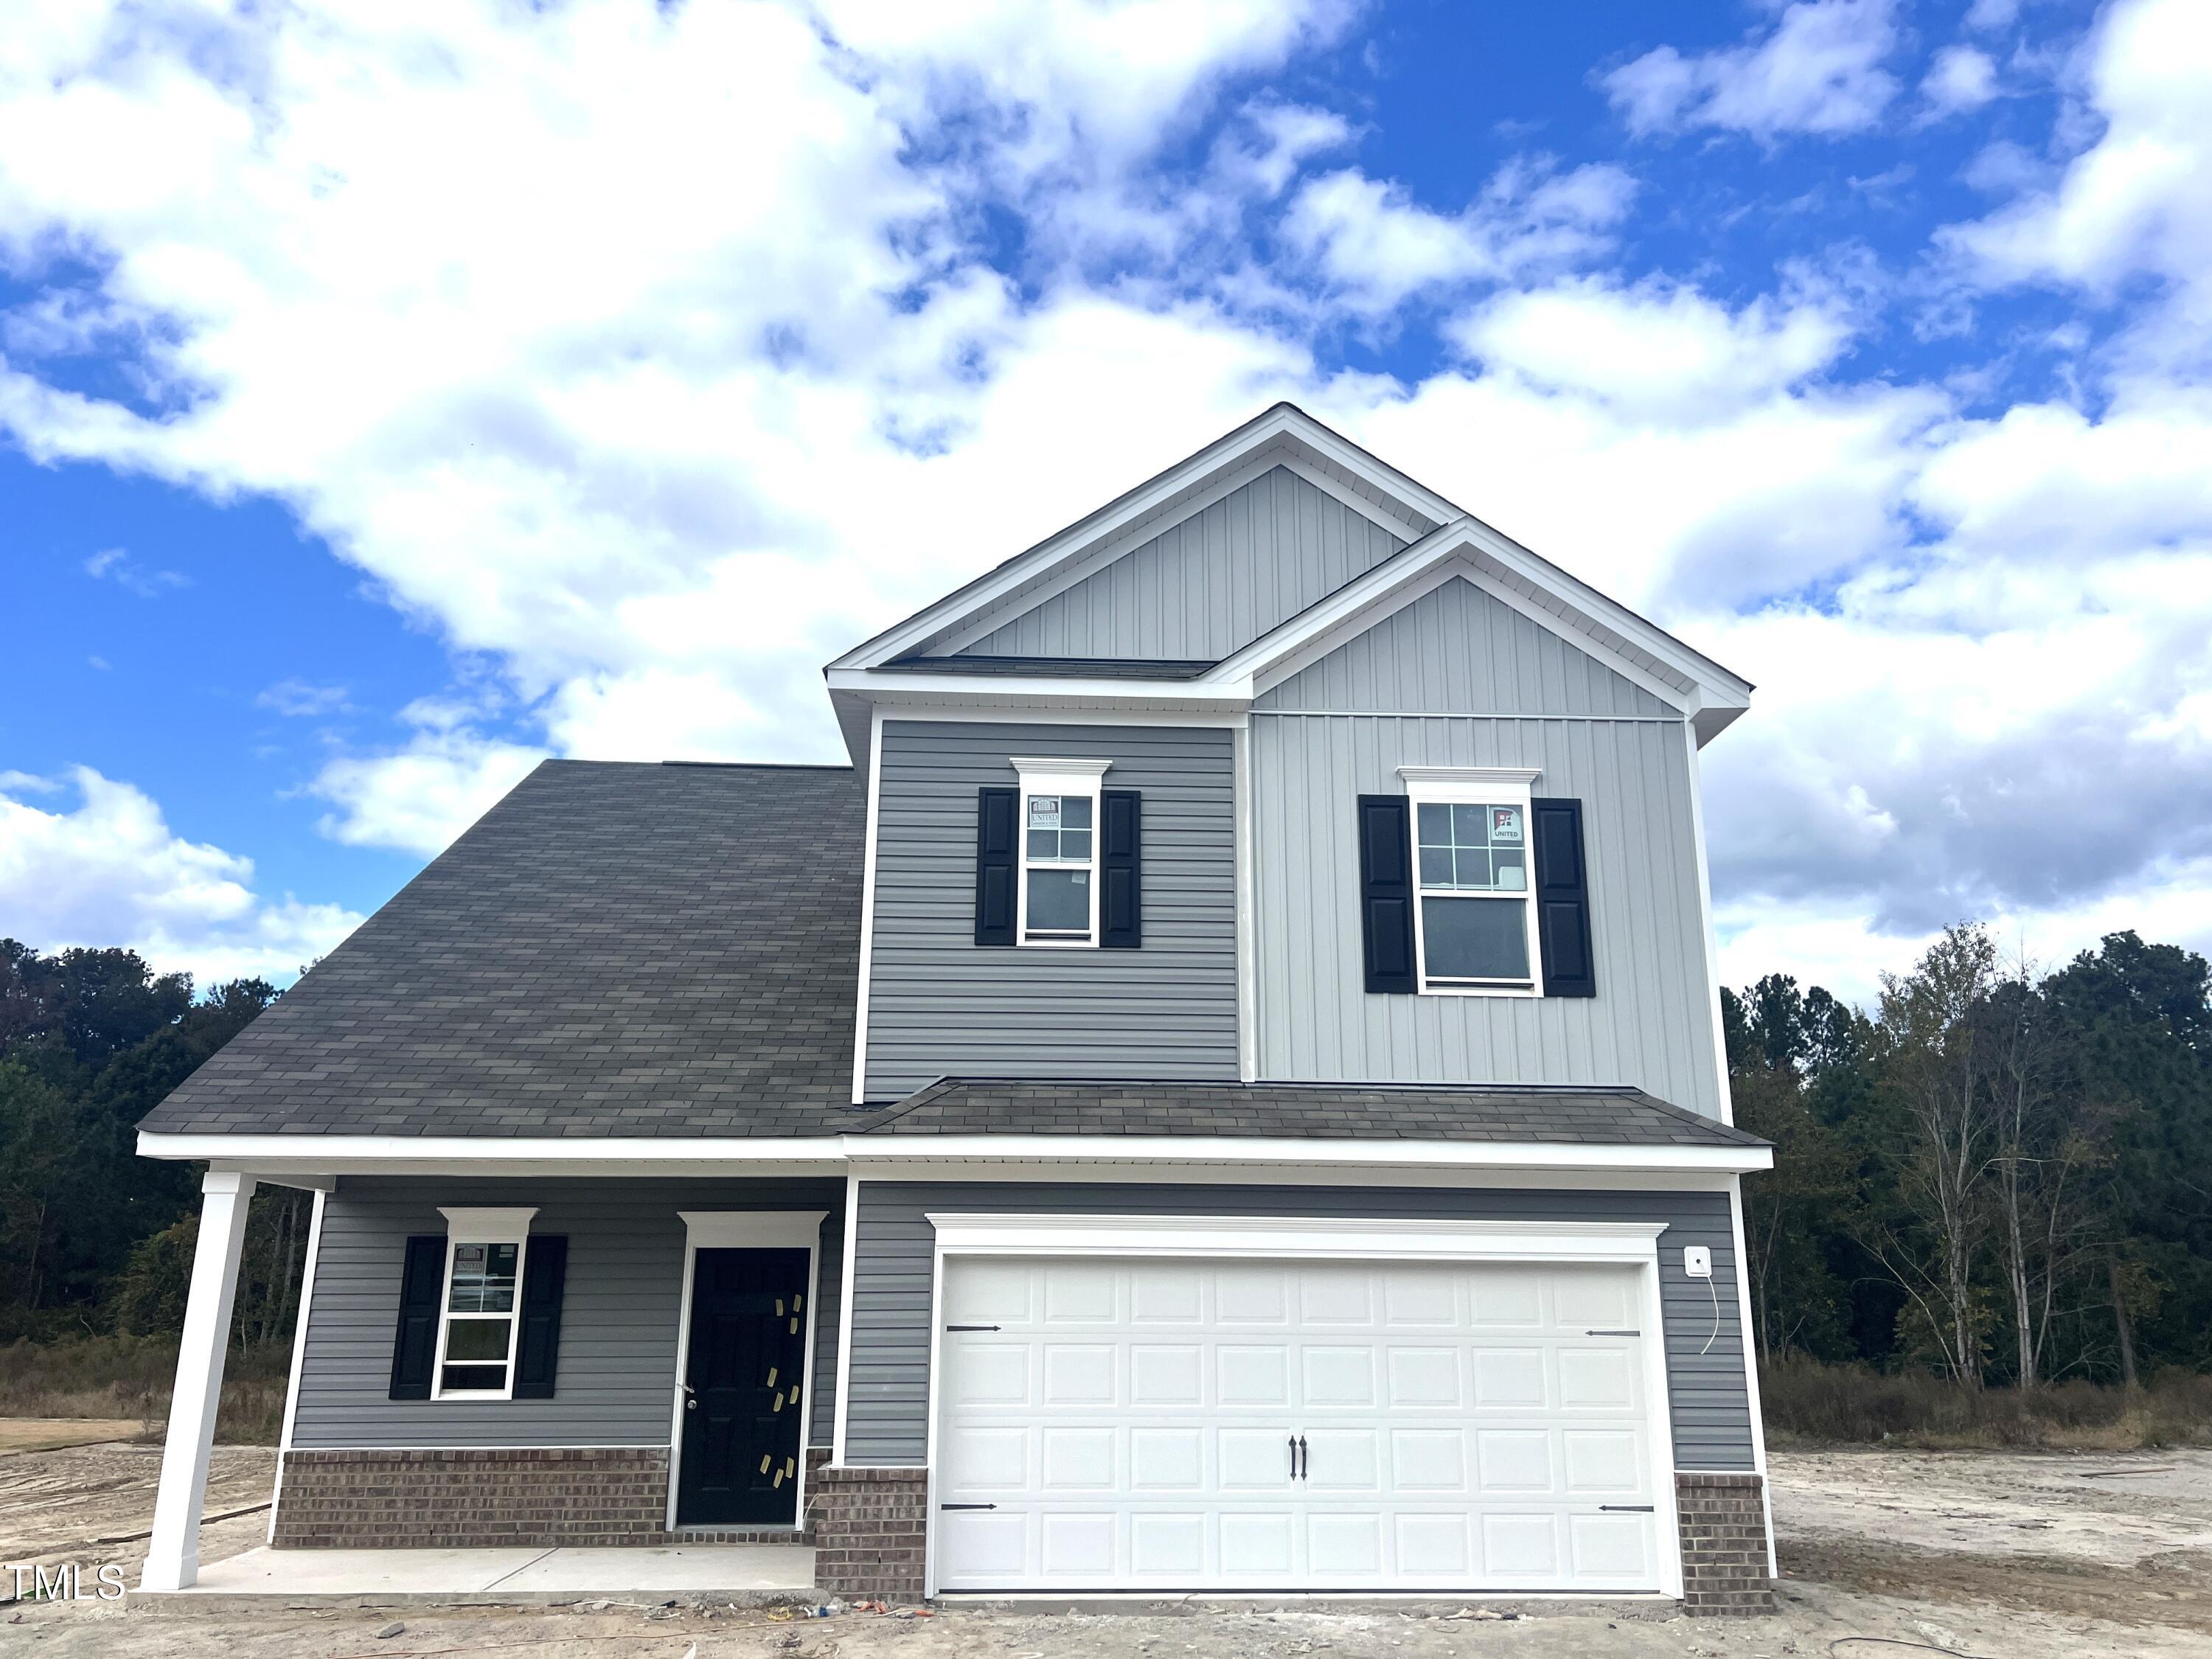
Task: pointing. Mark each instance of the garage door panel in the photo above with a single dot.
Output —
(1334, 1377)
(1081, 1293)
(1167, 1460)
(1421, 1379)
(1253, 1375)
(1164, 1375)
(986, 1292)
(1605, 1462)
(1133, 1424)
(1507, 1378)
(1432, 1462)
(1079, 1374)
(1252, 1296)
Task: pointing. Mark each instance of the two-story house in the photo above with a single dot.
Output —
(1225, 1093)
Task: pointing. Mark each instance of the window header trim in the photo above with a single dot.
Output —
(487, 1226)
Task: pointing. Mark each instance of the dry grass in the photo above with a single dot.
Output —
(130, 1377)
(1809, 1404)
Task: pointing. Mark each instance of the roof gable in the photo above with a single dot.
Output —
(1207, 585)
(1459, 649)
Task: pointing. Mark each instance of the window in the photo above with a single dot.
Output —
(1474, 921)
(476, 1316)
(1060, 852)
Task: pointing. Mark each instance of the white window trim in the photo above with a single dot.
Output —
(465, 1226)
(1495, 786)
(1056, 777)
(753, 1230)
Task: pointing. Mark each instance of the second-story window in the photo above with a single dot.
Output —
(1475, 920)
(1059, 896)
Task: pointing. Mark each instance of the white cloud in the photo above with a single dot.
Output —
(418, 800)
(1658, 348)
(116, 565)
(1817, 70)
(2137, 201)
(670, 366)
(1961, 78)
(110, 872)
(1375, 246)
(296, 698)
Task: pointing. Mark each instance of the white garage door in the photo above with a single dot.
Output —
(1293, 1425)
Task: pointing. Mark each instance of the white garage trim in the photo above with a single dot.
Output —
(1305, 1239)
(1632, 1244)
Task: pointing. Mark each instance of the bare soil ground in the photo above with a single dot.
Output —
(21, 1434)
(1998, 1555)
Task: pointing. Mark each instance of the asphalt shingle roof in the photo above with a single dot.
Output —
(1580, 1117)
(1125, 668)
(613, 949)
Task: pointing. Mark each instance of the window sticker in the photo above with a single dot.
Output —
(1505, 824)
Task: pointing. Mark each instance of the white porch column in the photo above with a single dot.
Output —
(172, 1561)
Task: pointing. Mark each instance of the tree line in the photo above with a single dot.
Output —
(2001, 1174)
(93, 1237)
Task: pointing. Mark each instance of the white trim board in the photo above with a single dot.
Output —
(831, 1155)
(1321, 1239)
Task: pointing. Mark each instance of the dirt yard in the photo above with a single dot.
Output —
(1997, 1555)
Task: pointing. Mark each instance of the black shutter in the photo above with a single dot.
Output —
(414, 1346)
(1386, 891)
(537, 1351)
(1121, 898)
(1563, 911)
(997, 864)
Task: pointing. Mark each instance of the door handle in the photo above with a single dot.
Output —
(1305, 1459)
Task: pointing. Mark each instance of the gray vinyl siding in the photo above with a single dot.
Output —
(614, 1384)
(1650, 1023)
(1459, 650)
(940, 1004)
(887, 1404)
(1209, 585)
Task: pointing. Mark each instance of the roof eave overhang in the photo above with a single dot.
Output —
(273, 1157)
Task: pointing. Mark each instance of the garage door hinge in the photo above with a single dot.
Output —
(971, 1328)
(967, 1506)
(1613, 1332)
(1624, 1509)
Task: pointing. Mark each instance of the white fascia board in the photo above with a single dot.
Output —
(920, 688)
(1383, 493)
(493, 1154)
(1293, 1152)
(409, 1154)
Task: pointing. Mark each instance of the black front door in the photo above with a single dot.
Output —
(742, 1439)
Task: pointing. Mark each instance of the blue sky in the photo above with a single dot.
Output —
(392, 394)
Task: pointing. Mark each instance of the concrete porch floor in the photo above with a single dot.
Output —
(450, 1577)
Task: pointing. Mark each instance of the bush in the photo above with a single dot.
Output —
(132, 1376)
(1808, 1402)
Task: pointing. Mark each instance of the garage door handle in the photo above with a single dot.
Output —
(1626, 1508)
(967, 1506)
(971, 1328)
(1305, 1459)
(1613, 1332)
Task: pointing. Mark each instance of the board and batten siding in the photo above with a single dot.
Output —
(1209, 585)
(940, 1004)
(615, 1383)
(887, 1404)
(1650, 1023)
(1459, 650)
